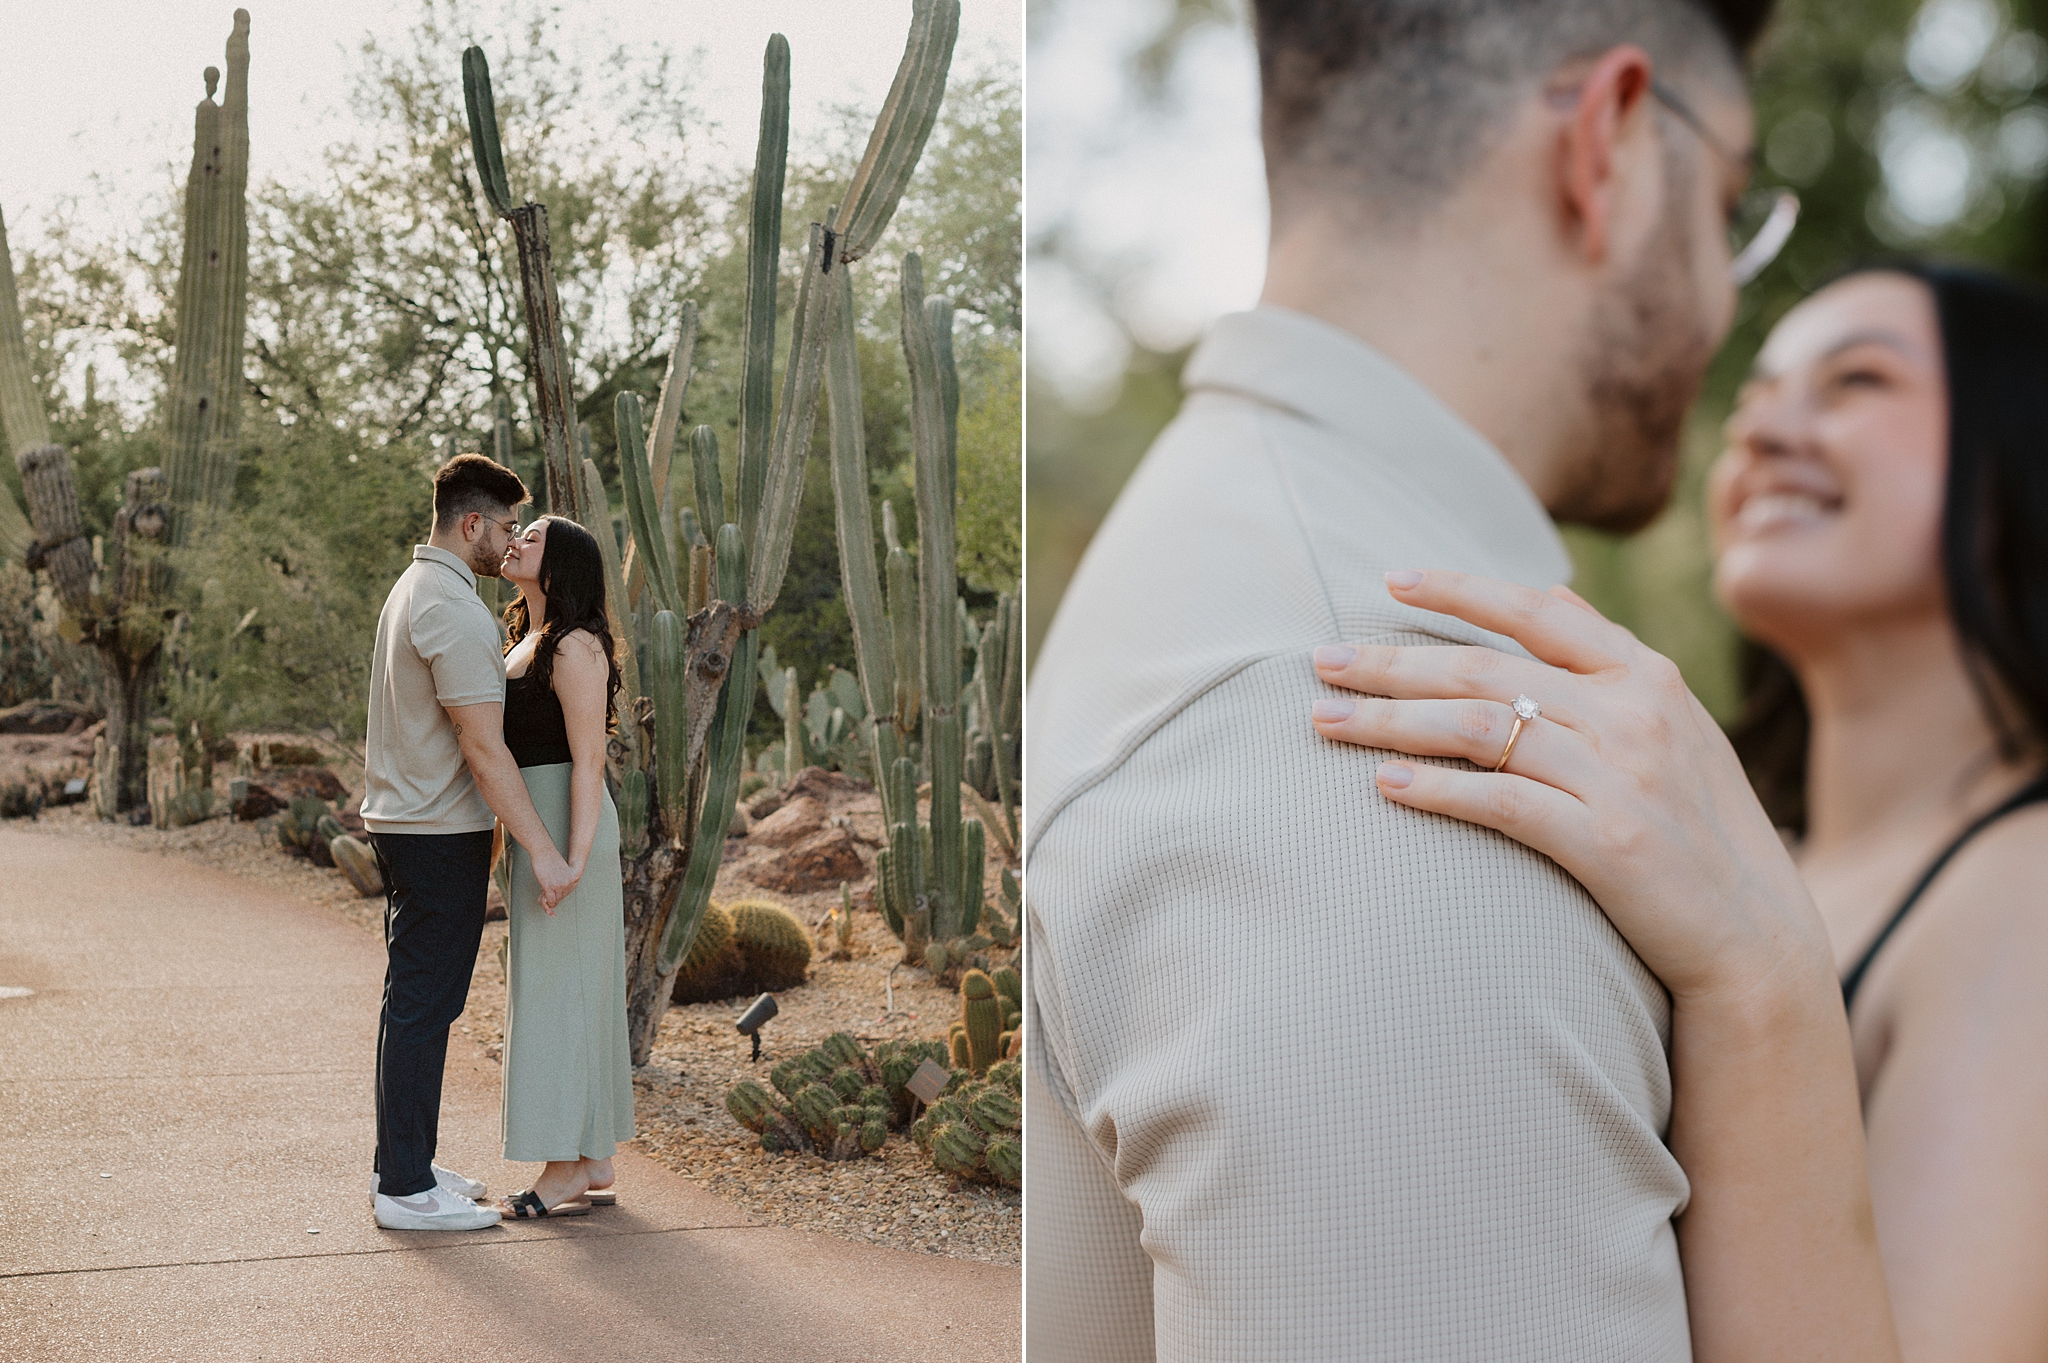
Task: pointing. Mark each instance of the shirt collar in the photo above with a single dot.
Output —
(429, 553)
(1292, 361)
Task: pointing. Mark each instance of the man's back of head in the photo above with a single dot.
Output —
(1393, 101)
(1522, 203)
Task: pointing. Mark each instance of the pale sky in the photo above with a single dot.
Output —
(1164, 207)
(109, 87)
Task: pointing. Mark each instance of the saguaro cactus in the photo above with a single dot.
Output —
(23, 424)
(119, 611)
(204, 402)
(682, 746)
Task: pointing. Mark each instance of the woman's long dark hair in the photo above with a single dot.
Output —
(572, 581)
(1994, 532)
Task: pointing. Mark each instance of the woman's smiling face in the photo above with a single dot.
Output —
(1826, 503)
(523, 556)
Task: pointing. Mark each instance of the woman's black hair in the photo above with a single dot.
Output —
(572, 581)
(1994, 531)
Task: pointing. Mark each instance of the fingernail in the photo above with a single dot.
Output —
(1327, 710)
(1335, 655)
(1404, 578)
(1396, 775)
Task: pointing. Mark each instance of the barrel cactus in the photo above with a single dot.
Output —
(773, 944)
(712, 964)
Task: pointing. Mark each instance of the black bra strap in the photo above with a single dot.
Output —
(2032, 793)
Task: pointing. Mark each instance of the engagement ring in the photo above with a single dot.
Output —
(1525, 710)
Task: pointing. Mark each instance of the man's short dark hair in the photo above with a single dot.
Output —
(470, 482)
(1397, 98)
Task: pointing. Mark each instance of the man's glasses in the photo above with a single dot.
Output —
(1763, 219)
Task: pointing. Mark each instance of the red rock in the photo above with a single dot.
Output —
(819, 862)
(824, 786)
(789, 825)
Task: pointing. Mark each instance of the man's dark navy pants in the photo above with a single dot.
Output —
(434, 890)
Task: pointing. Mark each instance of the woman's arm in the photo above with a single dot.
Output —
(1958, 1101)
(1628, 784)
(581, 677)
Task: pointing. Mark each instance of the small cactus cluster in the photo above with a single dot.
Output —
(991, 1009)
(837, 1099)
(307, 827)
(975, 1131)
(743, 948)
(180, 789)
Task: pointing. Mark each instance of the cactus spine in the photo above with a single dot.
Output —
(205, 396)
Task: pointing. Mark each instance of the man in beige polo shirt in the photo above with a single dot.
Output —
(1313, 1076)
(437, 777)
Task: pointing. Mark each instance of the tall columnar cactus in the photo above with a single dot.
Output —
(204, 401)
(23, 424)
(928, 879)
(120, 610)
(994, 740)
(687, 598)
(547, 355)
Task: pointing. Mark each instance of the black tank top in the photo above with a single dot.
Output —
(2033, 793)
(534, 728)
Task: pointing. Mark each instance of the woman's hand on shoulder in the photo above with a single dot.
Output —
(1624, 779)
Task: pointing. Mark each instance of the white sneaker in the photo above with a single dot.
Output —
(434, 1209)
(445, 1178)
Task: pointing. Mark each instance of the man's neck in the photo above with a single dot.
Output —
(1460, 306)
(450, 541)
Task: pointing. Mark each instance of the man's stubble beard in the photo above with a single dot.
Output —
(482, 564)
(1643, 363)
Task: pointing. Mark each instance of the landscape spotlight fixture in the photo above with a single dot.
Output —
(756, 1017)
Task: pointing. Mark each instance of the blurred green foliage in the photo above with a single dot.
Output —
(1945, 93)
(385, 321)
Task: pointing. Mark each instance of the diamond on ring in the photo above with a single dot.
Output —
(1525, 708)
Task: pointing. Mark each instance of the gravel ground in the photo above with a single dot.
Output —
(894, 1198)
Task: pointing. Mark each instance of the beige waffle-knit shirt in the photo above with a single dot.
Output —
(1313, 1076)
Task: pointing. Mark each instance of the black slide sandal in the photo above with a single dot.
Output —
(526, 1205)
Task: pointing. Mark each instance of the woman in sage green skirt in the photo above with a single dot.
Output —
(568, 1083)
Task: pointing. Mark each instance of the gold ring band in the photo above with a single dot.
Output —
(1525, 710)
(1509, 751)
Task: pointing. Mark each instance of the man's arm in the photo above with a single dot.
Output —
(480, 729)
(1091, 1281)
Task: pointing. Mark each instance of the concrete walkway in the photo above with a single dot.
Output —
(185, 1133)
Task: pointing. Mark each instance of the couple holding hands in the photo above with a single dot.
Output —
(467, 735)
(1417, 971)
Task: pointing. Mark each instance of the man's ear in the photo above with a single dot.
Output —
(1609, 108)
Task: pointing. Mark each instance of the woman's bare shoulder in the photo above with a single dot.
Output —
(1984, 931)
(581, 645)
